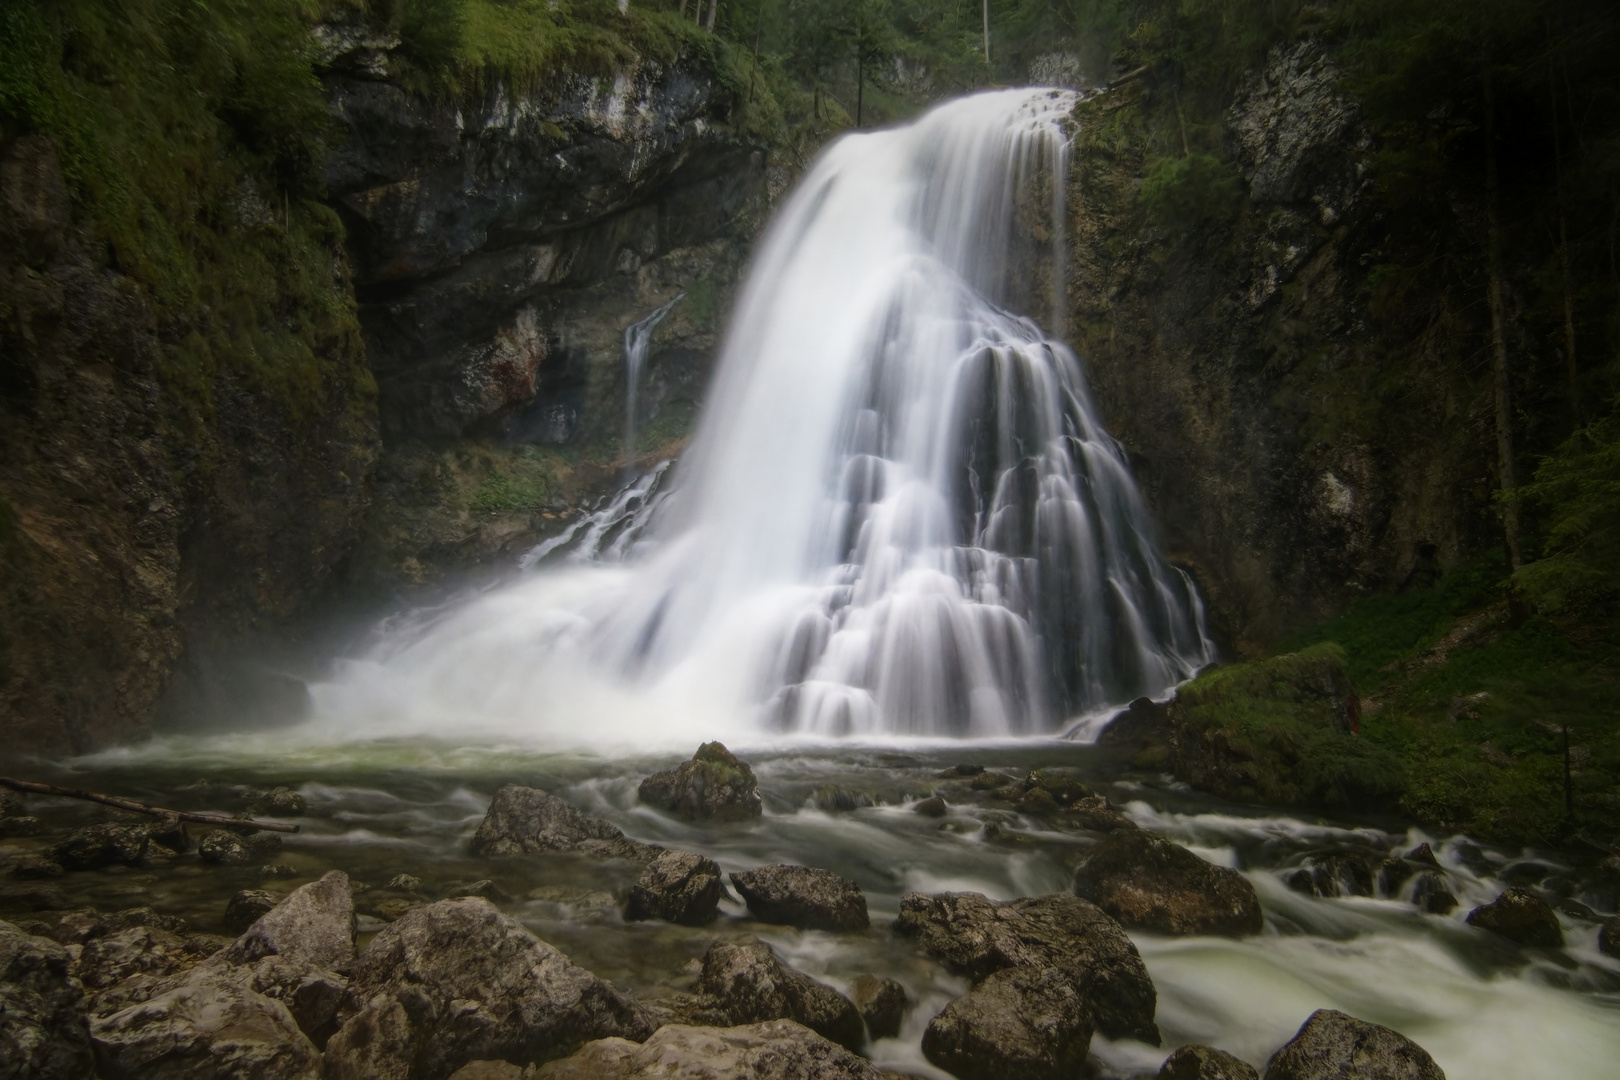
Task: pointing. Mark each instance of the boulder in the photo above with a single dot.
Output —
(22, 825)
(779, 1050)
(1609, 938)
(933, 806)
(746, 983)
(246, 908)
(678, 887)
(834, 800)
(1522, 916)
(227, 848)
(1333, 1046)
(802, 896)
(1023, 1023)
(1339, 873)
(43, 1033)
(1196, 1062)
(1134, 725)
(976, 937)
(31, 867)
(139, 950)
(1433, 894)
(715, 784)
(495, 1070)
(103, 845)
(279, 802)
(458, 981)
(528, 821)
(314, 926)
(881, 1003)
(1149, 883)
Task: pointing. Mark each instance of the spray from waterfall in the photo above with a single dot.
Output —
(901, 513)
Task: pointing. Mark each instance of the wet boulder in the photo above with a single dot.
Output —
(1432, 893)
(1609, 938)
(528, 821)
(881, 1003)
(778, 1050)
(1023, 1023)
(933, 806)
(678, 887)
(802, 896)
(138, 950)
(976, 936)
(1333, 1046)
(458, 981)
(314, 925)
(30, 867)
(1522, 916)
(43, 1032)
(228, 848)
(1196, 1062)
(1336, 873)
(1133, 726)
(246, 908)
(746, 983)
(1149, 883)
(103, 845)
(715, 784)
(833, 799)
(279, 802)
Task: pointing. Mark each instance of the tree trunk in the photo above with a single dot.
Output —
(714, 9)
(1563, 251)
(683, 8)
(986, 33)
(1507, 474)
(860, 81)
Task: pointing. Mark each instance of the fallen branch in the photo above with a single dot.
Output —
(1600, 845)
(33, 788)
(1129, 76)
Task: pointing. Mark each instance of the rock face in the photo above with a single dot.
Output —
(748, 984)
(714, 784)
(1023, 1023)
(1205, 1063)
(678, 887)
(1333, 1046)
(1149, 883)
(1520, 915)
(803, 896)
(780, 1050)
(43, 1034)
(977, 937)
(1609, 938)
(881, 1003)
(528, 821)
(458, 981)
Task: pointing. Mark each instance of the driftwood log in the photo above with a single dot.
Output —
(34, 788)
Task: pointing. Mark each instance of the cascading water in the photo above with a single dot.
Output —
(637, 341)
(901, 514)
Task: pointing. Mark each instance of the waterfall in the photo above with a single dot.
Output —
(637, 341)
(901, 513)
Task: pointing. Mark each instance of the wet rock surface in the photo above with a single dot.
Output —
(881, 1003)
(103, 845)
(1022, 1023)
(678, 887)
(233, 849)
(977, 937)
(1609, 938)
(1522, 916)
(246, 908)
(1205, 1063)
(458, 981)
(746, 983)
(715, 783)
(1333, 1046)
(314, 925)
(778, 1050)
(1149, 883)
(802, 896)
(43, 1033)
(528, 821)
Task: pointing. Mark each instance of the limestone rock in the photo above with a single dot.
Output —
(279, 802)
(43, 1034)
(678, 887)
(1609, 938)
(458, 981)
(1149, 883)
(802, 896)
(230, 849)
(779, 1050)
(714, 784)
(976, 937)
(1023, 1023)
(137, 950)
(1333, 1046)
(1196, 1062)
(314, 925)
(1522, 916)
(528, 821)
(748, 984)
(246, 907)
(103, 845)
(881, 1003)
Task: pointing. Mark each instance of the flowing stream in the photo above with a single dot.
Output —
(901, 539)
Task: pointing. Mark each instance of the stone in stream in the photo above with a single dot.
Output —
(1333, 1046)
(228, 848)
(714, 784)
(881, 1003)
(1149, 883)
(279, 802)
(746, 983)
(678, 887)
(976, 936)
(933, 806)
(1522, 916)
(1196, 1062)
(1609, 938)
(1433, 894)
(802, 896)
(103, 845)
(314, 925)
(22, 825)
(1022, 1023)
(43, 1032)
(458, 981)
(35, 868)
(246, 908)
(528, 821)
(833, 799)
(778, 1050)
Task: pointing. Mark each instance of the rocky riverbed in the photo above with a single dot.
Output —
(978, 911)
